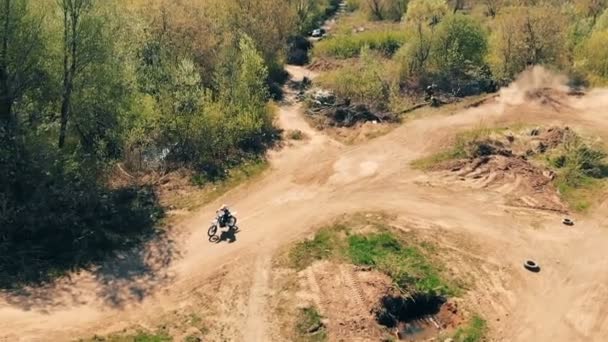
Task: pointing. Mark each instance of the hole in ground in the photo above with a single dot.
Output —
(411, 315)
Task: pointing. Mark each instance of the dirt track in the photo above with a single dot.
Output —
(317, 179)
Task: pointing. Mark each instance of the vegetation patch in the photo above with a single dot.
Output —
(553, 159)
(296, 134)
(406, 265)
(309, 326)
(410, 268)
(199, 190)
(136, 337)
(324, 245)
(474, 331)
(581, 169)
(350, 45)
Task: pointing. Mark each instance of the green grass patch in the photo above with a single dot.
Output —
(406, 265)
(386, 42)
(409, 266)
(475, 331)
(581, 170)
(325, 244)
(136, 337)
(309, 326)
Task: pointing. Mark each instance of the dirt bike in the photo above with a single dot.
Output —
(215, 225)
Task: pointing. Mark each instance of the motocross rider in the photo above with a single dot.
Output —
(223, 214)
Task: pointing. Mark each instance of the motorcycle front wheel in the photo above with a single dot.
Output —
(212, 230)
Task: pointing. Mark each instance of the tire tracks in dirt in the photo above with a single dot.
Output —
(256, 325)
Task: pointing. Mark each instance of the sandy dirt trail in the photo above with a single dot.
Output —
(318, 179)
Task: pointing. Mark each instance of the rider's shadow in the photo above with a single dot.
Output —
(228, 236)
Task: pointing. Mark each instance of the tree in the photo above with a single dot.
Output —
(458, 5)
(429, 12)
(376, 9)
(421, 18)
(74, 56)
(493, 6)
(592, 57)
(592, 8)
(395, 9)
(305, 11)
(602, 22)
(460, 42)
(525, 36)
(20, 55)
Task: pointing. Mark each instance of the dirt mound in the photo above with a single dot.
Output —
(506, 164)
(552, 137)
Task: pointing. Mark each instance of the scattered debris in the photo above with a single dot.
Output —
(328, 110)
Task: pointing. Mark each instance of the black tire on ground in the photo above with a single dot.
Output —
(531, 266)
(568, 222)
(212, 230)
(214, 239)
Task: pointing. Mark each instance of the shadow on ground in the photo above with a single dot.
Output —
(121, 261)
(128, 277)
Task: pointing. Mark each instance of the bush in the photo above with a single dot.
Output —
(295, 134)
(297, 50)
(459, 38)
(363, 82)
(579, 169)
(350, 45)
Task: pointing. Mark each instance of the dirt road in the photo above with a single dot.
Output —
(317, 179)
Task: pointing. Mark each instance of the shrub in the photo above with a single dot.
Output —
(363, 82)
(297, 50)
(350, 45)
(295, 134)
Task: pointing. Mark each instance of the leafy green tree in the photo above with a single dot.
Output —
(422, 18)
(524, 36)
(592, 58)
(21, 53)
(460, 41)
(602, 22)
